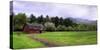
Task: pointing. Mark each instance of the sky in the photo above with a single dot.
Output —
(55, 9)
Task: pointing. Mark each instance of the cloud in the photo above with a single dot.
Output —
(54, 9)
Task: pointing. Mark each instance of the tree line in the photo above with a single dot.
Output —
(55, 23)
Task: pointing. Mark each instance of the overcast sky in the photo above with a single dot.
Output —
(54, 9)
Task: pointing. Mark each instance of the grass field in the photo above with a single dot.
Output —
(69, 38)
(59, 38)
(22, 41)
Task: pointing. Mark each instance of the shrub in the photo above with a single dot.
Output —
(49, 26)
(69, 28)
(61, 28)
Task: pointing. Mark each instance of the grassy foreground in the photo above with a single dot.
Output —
(22, 41)
(59, 38)
(70, 38)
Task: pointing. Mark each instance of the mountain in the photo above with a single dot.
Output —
(84, 21)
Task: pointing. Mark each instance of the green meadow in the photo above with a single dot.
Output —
(57, 38)
(22, 41)
(70, 38)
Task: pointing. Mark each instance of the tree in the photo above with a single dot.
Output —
(49, 26)
(61, 21)
(19, 21)
(82, 27)
(61, 28)
(92, 27)
(55, 20)
(69, 28)
(32, 19)
(40, 19)
(47, 18)
(67, 22)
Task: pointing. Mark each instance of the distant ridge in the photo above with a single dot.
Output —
(84, 21)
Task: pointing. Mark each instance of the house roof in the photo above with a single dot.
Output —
(35, 26)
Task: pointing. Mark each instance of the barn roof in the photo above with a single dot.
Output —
(35, 25)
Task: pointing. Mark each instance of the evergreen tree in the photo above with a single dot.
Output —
(32, 19)
(40, 19)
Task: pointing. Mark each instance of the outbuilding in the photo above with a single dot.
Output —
(33, 28)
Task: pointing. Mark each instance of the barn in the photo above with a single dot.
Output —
(33, 28)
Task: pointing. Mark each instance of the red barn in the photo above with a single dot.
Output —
(33, 28)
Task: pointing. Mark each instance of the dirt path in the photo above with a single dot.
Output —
(44, 41)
